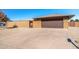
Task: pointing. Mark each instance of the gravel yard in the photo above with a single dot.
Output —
(74, 33)
(37, 38)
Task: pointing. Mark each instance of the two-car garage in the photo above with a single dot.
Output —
(54, 21)
(52, 24)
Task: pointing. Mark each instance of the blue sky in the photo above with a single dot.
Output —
(24, 14)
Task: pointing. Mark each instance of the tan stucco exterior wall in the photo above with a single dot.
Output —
(36, 24)
(65, 23)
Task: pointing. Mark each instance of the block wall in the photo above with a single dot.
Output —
(76, 24)
(18, 24)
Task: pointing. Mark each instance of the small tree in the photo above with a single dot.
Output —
(72, 20)
(76, 20)
(15, 26)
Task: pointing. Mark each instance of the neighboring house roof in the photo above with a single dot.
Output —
(56, 16)
(1, 15)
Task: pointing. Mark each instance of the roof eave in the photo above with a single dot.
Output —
(67, 16)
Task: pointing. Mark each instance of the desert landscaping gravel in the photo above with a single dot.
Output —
(37, 38)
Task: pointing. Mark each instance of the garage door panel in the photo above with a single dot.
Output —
(52, 24)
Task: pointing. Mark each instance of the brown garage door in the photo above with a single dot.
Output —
(52, 24)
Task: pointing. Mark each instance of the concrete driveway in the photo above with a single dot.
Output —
(35, 38)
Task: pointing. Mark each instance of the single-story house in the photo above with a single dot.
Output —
(50, 21)
(53, 21)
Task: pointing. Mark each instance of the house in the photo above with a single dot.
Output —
(50, 21)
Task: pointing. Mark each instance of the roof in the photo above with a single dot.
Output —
(1, 15)
(55, 16)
